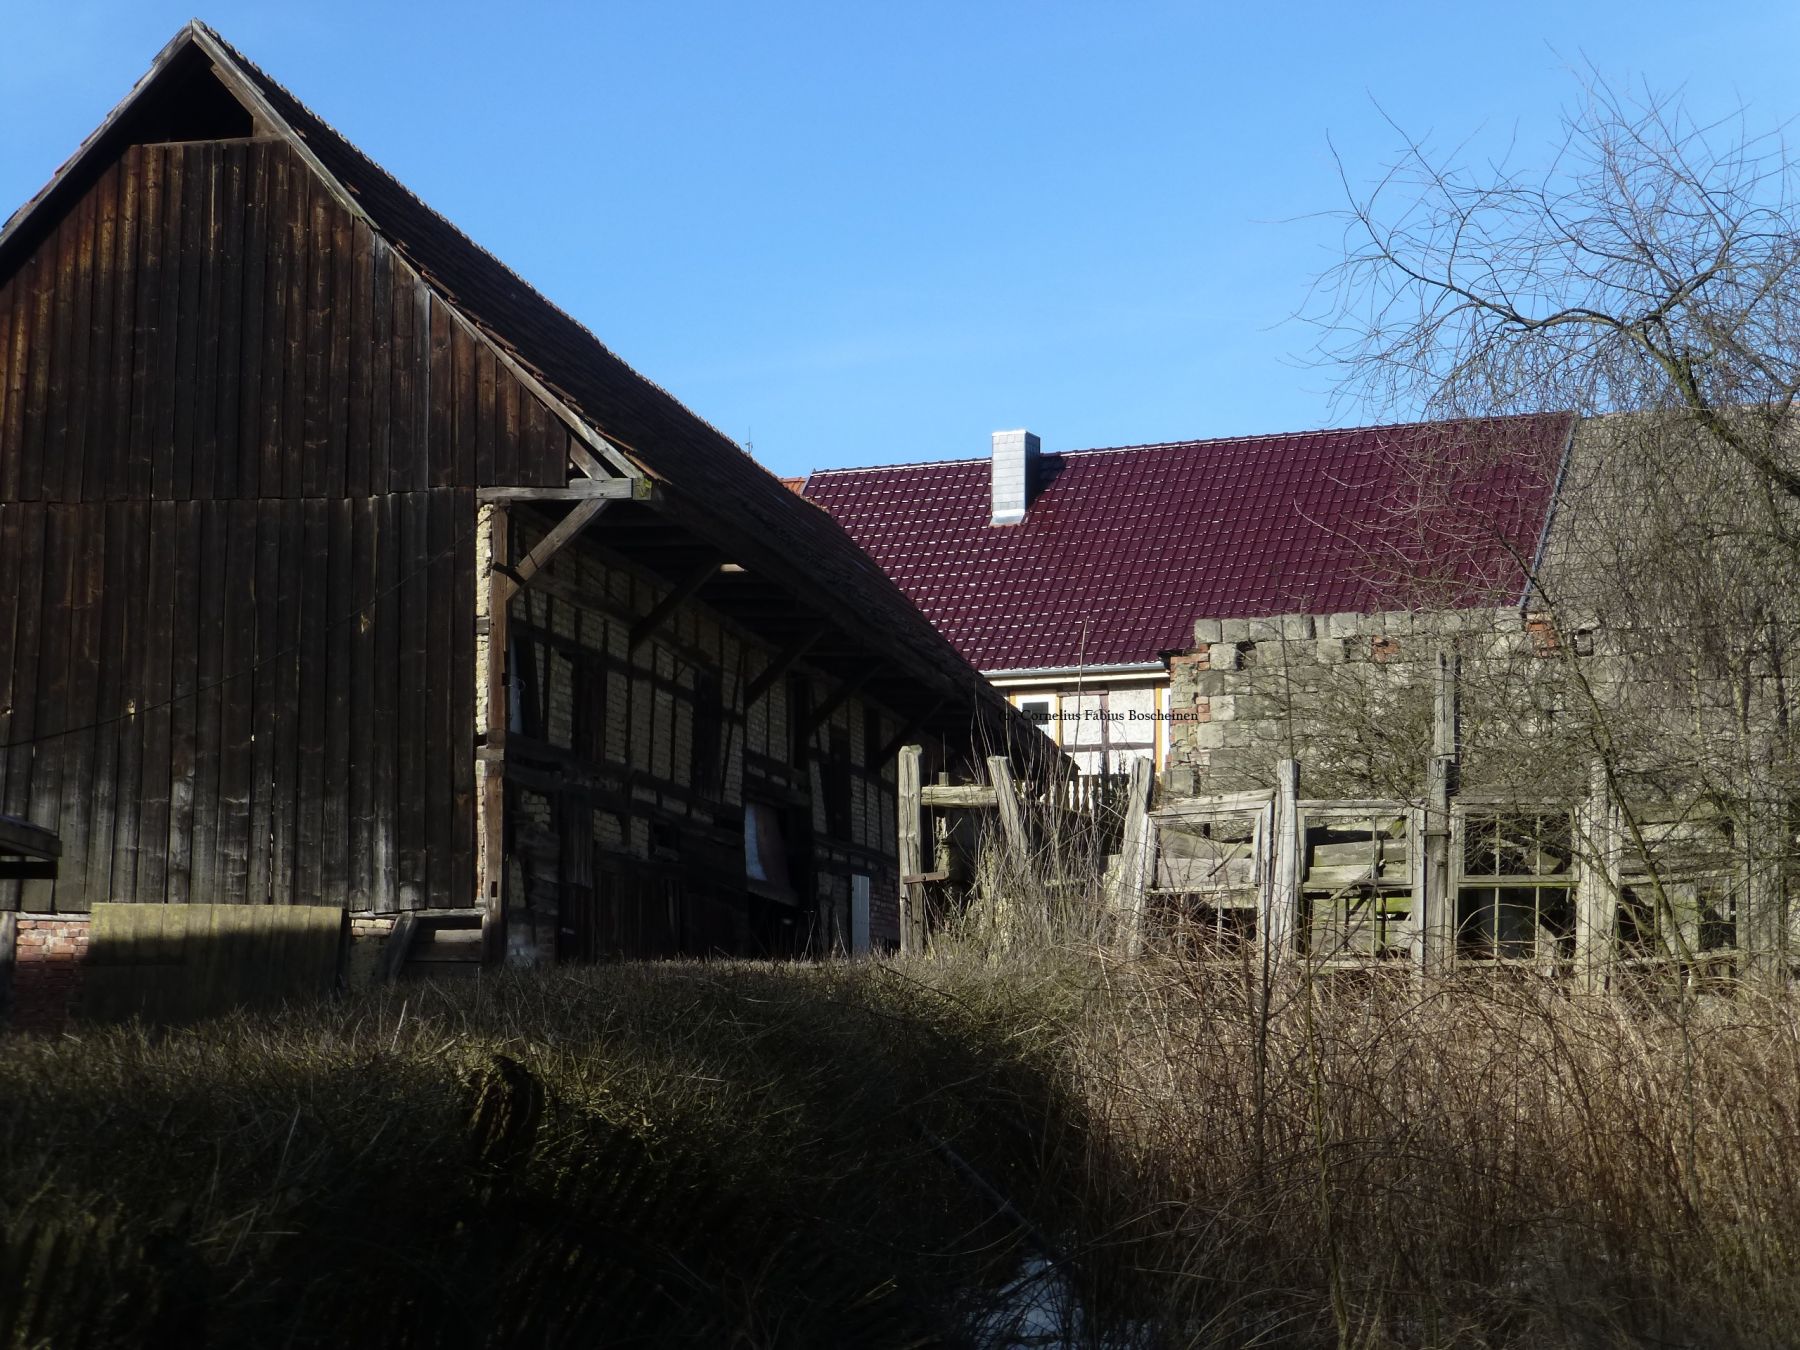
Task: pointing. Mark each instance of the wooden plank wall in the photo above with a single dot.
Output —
(238, 701)
(208, 323)
(174, 963)
(238, 445)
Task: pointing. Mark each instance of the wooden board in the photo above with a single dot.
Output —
(170, 963)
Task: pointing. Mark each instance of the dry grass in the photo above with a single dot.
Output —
(709, 1154)
(1360, 1163)
(733, 1154)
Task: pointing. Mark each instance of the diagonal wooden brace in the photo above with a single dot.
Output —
(518, 577)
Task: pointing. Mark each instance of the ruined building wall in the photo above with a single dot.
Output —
(1349, 696)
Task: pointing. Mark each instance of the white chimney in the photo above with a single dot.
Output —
(1014, 475)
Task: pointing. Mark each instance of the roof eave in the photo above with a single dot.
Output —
(1077, 672)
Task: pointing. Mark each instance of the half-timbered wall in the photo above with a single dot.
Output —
(633, 772)
(239, 439)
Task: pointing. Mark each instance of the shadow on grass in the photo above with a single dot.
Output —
(722, 1154)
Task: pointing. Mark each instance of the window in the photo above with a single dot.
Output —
(1695, 917)
(587, 713)
(1514, 901)
(526, 698)
(765, 851)
(709, 716)
(834, 782)
(799, 711)
(872, 738)
(1037, 710)
(1357, 887)
(859, 915)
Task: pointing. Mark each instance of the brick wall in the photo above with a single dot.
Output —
(368, 938)
(47, 961)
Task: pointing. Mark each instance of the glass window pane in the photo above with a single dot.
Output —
(1475, 920)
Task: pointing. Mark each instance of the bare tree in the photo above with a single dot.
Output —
(1647, 275)
(1650, 263)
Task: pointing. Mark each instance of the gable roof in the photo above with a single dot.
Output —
(707, 483)
(1122, 549)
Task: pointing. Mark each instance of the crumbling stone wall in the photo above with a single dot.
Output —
(1350, 697)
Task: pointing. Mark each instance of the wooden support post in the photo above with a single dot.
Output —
(1762, 916)
(578, 519)
(661, 611)
(908, 836)
(490, 767)
(782, 662)
(1596, 874)
(9, 942)
(1281, 896)
(1137, 856)
(1436, 942)
(1012, 816)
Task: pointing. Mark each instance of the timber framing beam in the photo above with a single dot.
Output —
(837, 699)
(27, 840)
(584, 461)
(906, 734)
(580, 490)
(782, 662)
(490, 763)
(518, 577)
(664, 608)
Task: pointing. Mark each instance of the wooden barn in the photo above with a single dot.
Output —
(344, 569)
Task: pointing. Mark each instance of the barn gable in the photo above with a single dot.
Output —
(261, 416)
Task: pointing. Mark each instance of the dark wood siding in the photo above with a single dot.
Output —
(236, 742)
(210, 323)
(239, 442)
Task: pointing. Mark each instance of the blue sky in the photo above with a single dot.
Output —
(859, 234)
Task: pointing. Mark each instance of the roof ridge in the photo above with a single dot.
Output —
(1252, 438)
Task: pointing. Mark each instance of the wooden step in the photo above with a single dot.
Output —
(435, 945)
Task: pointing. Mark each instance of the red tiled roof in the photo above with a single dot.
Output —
(1123, 549)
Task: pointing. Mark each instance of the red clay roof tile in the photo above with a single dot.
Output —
(1123, 549)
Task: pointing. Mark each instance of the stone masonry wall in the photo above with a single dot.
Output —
(1349, 695)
